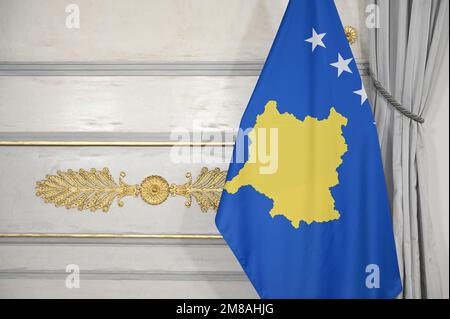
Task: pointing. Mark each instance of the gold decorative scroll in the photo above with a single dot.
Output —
(351, 34)
(96, 189)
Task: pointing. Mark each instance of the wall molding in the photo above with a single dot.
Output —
(200, 68)
(125, 275)
(213, 240)
(223, 138)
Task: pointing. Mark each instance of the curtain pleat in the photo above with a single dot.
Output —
(405, 56)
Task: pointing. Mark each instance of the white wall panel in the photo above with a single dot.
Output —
(135, 70)
(141, 30)
(22, 212)
(48, 288)
(156, 260)
(122, 104)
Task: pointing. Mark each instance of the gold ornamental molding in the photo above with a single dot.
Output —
(110, 236)
(97, 190)
(114, 143)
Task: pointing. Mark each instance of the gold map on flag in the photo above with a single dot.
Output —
(309, 154)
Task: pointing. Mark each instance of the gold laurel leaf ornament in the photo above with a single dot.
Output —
(96, 189)
(206, 189)
(85, 190)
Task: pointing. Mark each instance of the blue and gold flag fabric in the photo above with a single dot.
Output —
(305, 208)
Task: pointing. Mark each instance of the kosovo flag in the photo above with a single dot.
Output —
(305, 207)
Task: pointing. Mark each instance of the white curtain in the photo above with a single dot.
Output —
(406, 51)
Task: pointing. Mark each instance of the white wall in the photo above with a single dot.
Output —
(140, 31)
(175, 35)
(437, 129)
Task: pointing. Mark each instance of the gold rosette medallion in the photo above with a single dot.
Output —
(154, 190)
(351, 34)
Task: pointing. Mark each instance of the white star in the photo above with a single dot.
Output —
(316, 40)
(342, 65)
(363, 94)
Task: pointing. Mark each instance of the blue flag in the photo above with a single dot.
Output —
(305, 207)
